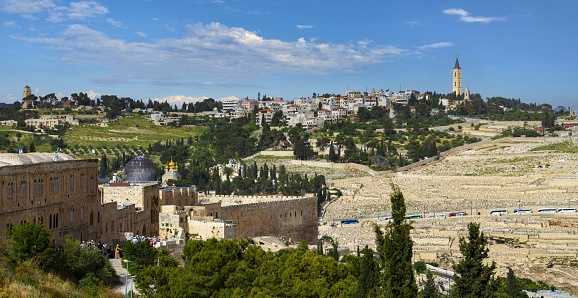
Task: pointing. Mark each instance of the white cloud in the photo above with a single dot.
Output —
(8, 98)
(77, 11)
(29, 9)
(10, 24)
(92, 95)
(465, 16)
(114, 22)
(412, 23)
(25, 7)
(179, 99)
(436, 45)
(210, 50)
(301, 27)
(141, 34)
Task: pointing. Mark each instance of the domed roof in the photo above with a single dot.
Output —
(8, 159)
(39, 157)
(15, 159)
(140, 169)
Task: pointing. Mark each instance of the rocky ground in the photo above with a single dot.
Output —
(503, 174)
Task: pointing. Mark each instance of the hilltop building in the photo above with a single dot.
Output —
(27, 92)
(27, 102)
(457, 78)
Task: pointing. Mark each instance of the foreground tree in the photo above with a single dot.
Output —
(395, 250)
(473, 278)
(430, 289)
(29, 241)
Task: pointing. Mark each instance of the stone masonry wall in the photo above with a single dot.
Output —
(293, 219)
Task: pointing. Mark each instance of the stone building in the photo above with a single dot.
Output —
(226, 217)
(51, 189)
(63, 194)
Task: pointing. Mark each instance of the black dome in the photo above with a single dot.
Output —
(140, 169)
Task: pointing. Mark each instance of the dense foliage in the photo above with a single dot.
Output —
(473, 278)
(235, 268)
(29, 245)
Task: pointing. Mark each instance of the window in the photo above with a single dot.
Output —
(81, 180)
(71, 215)
(81, 213)
(71, 182)
(10, 189)
(91, 184)
(23, 188)
(50, 186)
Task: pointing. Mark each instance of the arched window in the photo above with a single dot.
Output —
(81, 180)
(23, 188)
(71, 182)
(50, 186)
(10, 189)
(91, 184)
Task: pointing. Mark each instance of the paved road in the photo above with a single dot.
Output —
(120, 268)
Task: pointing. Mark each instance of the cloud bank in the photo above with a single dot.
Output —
(466, 17)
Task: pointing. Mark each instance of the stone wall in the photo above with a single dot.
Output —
(180, 196)
(295, 220)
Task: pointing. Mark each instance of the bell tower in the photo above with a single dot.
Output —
(457, 78)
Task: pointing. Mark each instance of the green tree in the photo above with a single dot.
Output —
(430, 289)
(30, 241)
(83, 262)
(368, 278)
(473, 278)
(32, 148)
(395, 250)
(512, 287)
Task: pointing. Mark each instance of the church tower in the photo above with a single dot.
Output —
(457, 78)
(27, 92)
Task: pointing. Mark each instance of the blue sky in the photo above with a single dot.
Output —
(187, 50)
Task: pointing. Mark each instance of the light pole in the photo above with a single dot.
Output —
(126, 278)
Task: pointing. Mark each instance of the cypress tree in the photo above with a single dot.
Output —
(512, 286)
(473, 278)
(368, 280)
(429, 290)
(394, 247)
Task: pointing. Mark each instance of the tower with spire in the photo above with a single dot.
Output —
(457, 78)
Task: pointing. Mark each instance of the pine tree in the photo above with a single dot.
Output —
(368, 280)
(512, 286)
(429, 290)
(395, 250)
(473, 278)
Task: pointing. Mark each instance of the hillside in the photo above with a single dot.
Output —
(127, 134)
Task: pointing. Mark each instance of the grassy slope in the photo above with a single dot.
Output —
(133, 131)
(27, 280)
